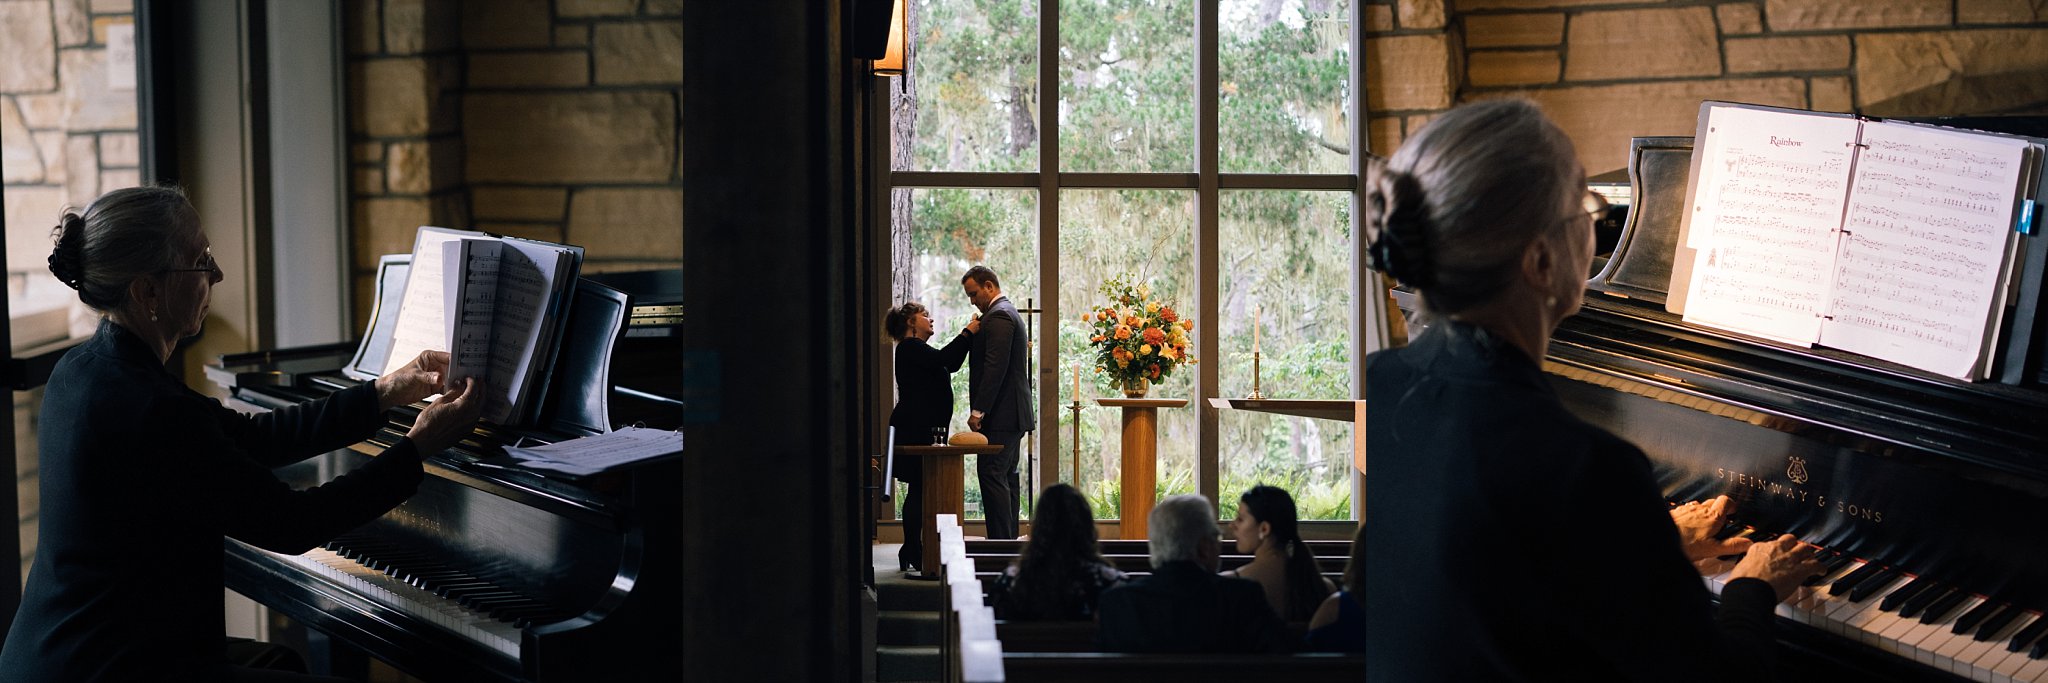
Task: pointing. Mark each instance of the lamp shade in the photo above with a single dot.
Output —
(891, 63)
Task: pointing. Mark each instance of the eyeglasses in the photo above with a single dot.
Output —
(206, 265)
(1594, 205)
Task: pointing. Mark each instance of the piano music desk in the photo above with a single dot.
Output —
(944, 490)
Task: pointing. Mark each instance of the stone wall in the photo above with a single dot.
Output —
(1607, 70)
(548, 120)
(67, 133)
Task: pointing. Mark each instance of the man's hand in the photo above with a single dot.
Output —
(416, 380)
(974, 422)
(1698, 522)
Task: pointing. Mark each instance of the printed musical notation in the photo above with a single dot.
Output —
(1924, 246)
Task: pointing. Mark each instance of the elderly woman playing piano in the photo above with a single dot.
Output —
(1511, 540)
(142, 476)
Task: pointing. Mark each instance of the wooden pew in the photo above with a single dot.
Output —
(1077, 636)
(1106, 667)
(1114, 546)
(1127, 563)
(980, 650)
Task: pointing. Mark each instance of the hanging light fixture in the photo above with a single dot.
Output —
(891, 63)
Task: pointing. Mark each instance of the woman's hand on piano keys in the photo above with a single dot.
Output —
(416, 380)
(449, 419)
(1698, 524)
(1784, 562)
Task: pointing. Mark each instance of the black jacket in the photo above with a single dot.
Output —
(1184, 608)
(997, 384)
(141, 477)
(924, 387)
(1512, 541)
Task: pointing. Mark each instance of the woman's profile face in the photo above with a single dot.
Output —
(1578, 256)
(1246, 530)
(921, 325)
(188, 289)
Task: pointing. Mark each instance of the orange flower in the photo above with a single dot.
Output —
(1154, 336)
(1153, 371)
(1188, 325)
(1123, 332)
(1096, 339)
(1133, 320)
(1169, 353)
(1168, 315)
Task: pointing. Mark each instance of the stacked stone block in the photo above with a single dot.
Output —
(66, 135)
(1607, 70)
(549, 120)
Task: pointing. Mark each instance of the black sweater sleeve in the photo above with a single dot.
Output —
(292, 433)
(251, 504)
(1655, 618)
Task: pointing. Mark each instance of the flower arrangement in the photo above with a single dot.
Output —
(1138, 339)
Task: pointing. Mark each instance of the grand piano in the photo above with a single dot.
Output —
(491, 571)
(1928, 495)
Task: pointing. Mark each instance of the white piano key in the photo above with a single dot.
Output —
(1923, 639)
(1952, 649)
(2033, 671)
(470, 624)
(1986, 665)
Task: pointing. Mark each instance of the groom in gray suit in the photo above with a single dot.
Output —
(998, 396)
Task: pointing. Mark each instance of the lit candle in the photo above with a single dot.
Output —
(1255, 328)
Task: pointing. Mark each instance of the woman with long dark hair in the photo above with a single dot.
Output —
(924, 404)
(1266, 528)
(1061, 573)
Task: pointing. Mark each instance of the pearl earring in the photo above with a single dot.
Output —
(1550, 301)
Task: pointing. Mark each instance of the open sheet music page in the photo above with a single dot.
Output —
(475, 265)
(1923, 256)
(420, 325)
(1772, 188)
(528, 276)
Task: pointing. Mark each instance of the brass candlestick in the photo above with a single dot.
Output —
(1075, 407)
(1255, 395)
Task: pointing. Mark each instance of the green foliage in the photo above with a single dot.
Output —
(1125, 94)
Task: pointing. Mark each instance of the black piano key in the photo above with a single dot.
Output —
(2039, 650)
(1848, 583)
(1989, 629)
(1941, 607)
(1896, 599)
(1970, 619)
(1873, 585)
(1917, 604)
(1829, 567)
(2028, 635)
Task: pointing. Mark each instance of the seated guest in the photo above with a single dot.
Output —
(1185, 606)
(1061, 573)
(1339, 624)
(142, 476)
(1478, 466)
(1281, 562)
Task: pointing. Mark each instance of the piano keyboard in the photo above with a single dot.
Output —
(1915, 618)
(413, 583)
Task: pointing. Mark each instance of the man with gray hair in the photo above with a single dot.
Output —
(1184, 606)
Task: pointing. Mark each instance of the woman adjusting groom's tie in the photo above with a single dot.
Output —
(924, 405)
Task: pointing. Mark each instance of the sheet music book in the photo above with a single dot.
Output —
(1889, 239)
(495, 305)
